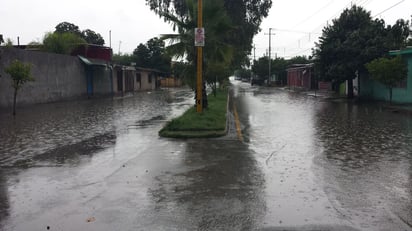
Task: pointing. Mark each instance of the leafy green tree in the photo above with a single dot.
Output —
(158, 57)
(397, 35)
(67, 27)
(278, 67)
(123, 59)
(20, 73)
(345, 46)
(217, 54)
(61, 43)
(351, 41)
(388, 71)
(142, 55)
(299, 60)
(245, 16)
(153, 55)
(178, 69)
(92, 37)
(260, 67)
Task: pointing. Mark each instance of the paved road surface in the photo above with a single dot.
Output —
(299, 163)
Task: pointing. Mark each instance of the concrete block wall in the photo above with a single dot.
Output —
(57, 77)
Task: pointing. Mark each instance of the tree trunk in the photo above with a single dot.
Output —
(350, 89)
(14, 101)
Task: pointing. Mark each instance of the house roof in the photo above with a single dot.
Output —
(299, 66)
(406, 51)
(141, 69)
(93, 62)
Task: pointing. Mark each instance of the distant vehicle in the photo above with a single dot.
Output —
(257, 81)
(238, 78)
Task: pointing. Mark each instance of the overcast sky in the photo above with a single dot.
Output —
(296, 23)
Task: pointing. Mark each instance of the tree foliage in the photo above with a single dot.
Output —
(61, 43)
(217, 55)
(245, 15)
(92, 37)
(123, 59)
(153, 55)
(67, 27)
(351, 41)
(278, 66)
(142, 56)
(88, 35)
(20, 73)
(388, 71)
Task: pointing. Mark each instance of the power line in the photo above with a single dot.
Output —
(388, 8)
(303, 47)
(312, 15)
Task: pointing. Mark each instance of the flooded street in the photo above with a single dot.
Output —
(301, 163)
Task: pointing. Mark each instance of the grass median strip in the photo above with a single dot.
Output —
(210, 123)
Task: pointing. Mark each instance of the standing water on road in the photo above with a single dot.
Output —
(329, 163)
(303, 163)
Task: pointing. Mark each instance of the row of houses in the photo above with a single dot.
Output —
(301, 76)
(87, 72)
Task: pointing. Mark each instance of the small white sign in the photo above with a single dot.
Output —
(200, 37)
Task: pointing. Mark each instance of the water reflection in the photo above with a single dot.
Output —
(366, 163)
(55, 140)
(221, 190)
(4, 200)
(40, 129)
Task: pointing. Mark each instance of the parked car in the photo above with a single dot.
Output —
(257, 81)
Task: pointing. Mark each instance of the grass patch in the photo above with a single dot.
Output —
(210, 123)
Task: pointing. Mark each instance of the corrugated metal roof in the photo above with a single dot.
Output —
(93, 62)
(406, 51)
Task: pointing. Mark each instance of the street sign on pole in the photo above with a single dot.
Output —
(199, 37)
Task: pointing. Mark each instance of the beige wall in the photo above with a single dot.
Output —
(143, 85)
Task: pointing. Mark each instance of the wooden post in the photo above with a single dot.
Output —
(199, 100)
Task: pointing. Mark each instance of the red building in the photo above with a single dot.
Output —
(94, 52)
(301, 76)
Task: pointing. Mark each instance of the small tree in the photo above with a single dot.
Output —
(61, 43)
(20, 74)
(388, 71)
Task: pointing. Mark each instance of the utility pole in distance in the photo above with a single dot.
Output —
(270, 59)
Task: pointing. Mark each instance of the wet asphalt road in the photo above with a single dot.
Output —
(301, 163)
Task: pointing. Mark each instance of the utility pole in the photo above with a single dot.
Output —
(270, 38)
(254, 52)
(110, 38)
(199, 44)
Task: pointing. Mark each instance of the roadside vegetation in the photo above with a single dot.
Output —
(353, 40)
(20, 73)
(388, 71)
(210, 123)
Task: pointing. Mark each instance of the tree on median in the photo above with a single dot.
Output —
(245, 16)
(217, 55)
(20, 73)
